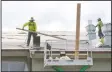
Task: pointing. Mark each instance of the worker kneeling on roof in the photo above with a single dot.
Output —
(32, 27)
(100, 34)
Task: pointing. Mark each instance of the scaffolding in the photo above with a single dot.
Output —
(51, 58)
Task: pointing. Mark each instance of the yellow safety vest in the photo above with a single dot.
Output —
(32, 26)
(100, 24)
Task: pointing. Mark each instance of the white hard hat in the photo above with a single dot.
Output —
(32, 19)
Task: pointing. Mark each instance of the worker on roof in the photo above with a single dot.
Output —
(32, 27)
(100, 34)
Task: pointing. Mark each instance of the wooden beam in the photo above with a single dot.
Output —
(42, 34)
(77, 30)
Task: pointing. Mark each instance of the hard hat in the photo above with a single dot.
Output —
(99, 19)
(32, 19)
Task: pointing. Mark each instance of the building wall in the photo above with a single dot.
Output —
(15, 62)
(101, 61)
(101, 65)
(38, 64)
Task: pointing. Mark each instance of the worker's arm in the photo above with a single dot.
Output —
(25, 24)
(97, 24)
(35, 26)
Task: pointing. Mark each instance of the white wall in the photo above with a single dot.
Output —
(14, 64)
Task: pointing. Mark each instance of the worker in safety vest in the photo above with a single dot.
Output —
(100, 33)
(32, 27)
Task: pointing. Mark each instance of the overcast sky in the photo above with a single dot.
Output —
(53, 15)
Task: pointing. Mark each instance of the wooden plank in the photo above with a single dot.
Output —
(42, 34)
(77, 30)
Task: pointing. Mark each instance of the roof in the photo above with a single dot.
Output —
(18, 41)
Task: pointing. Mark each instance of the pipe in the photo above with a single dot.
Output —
(58, 69)
(83, 68)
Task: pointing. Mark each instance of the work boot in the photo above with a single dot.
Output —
(102, 41)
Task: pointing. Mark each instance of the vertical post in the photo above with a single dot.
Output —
(77, 31)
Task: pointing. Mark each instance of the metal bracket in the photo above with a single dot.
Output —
(32, 53)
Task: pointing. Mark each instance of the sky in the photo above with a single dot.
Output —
(53, 15)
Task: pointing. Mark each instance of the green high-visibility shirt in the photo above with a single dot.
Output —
(100, 24)
(32, 26)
